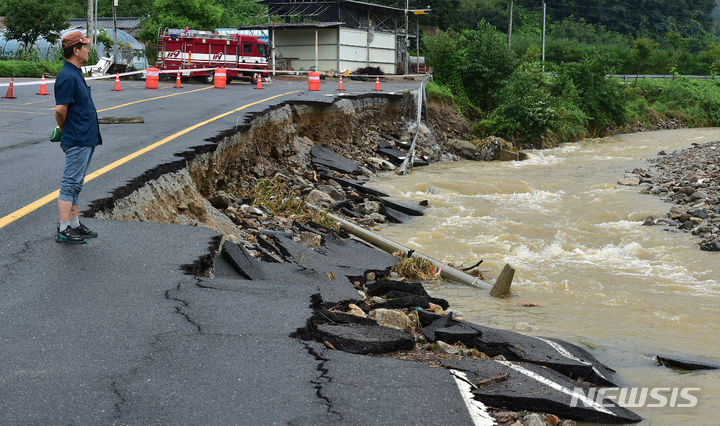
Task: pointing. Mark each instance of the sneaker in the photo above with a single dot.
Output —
(70, 236)
(85, 232)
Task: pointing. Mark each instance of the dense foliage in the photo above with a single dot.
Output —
(506, 92)
(28, 20)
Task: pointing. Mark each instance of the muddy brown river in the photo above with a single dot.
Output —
(603, 281)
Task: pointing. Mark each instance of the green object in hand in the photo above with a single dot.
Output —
(55, 134)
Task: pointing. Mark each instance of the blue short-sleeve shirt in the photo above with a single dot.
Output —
(81, 125)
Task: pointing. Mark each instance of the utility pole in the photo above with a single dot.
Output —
(407, 39)
(510, 23)
(115, 4)
(94, 36)
(89, 29)
(543, 37)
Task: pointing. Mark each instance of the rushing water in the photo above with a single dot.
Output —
(576, 240)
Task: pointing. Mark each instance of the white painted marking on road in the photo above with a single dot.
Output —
(477, 410)
(557, 386)
(564, 352)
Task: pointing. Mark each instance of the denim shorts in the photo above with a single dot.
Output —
(77, 159)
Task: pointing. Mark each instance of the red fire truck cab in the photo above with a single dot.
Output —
(187, 50)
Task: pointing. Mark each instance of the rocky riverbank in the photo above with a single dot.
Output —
(690, 180)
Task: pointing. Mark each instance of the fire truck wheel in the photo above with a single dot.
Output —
(210, 77)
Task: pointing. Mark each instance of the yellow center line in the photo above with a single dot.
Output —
(12, 217)
(36, 102)
(151, 99)
(23, 112)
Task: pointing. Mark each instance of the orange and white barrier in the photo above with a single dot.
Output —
(314, 81)
(151, 78)
(220, 78)
(43, 88)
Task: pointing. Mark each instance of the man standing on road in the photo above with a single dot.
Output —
(77, 118)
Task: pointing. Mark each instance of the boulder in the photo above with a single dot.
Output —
(320, 199)
(310, 239)
(469, 150)
(507, 155)
(251, 211)
(380, 164)
(331, 191)
(369, 207)
(221, 200)
(392, 319)
(702, 213)
(377, 217)
(629, 181)
(441, 347)
(355, 310)
(711, 246)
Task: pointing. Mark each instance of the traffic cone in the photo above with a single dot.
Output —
(340, 85)
(117, 87)
(259, 82)
(9, 94)
(377, 84)
(43, 88)
(178, 82)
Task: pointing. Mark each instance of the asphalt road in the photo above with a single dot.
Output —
(114, 332)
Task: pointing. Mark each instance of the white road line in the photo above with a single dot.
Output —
(564, 352)
(557, 386)
(477, 410)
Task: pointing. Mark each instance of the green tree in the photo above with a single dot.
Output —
(486, 63)
(28, 20)
(197, 14)
(603, 100)
(644, 49)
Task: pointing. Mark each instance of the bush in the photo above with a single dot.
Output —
(603, 100)
(28, 68)
(530, 113)
(486, 63)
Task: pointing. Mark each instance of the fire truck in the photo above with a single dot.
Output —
(187, 50)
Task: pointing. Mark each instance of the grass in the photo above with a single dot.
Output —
(415, 268)
(275, 195)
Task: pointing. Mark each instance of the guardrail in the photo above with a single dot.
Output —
(626, 77)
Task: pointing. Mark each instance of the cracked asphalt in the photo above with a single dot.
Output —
(114, 332)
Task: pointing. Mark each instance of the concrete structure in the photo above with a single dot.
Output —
(343, 35)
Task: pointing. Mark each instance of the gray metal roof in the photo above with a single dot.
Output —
(123, 23)
(293, 25)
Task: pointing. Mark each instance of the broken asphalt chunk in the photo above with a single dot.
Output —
(324, 157)
(407, 208)
(563, 357)
(393, 215)
(244, 264)
(354, 184)
(523, 386)
(381, 287)
(363, 339)
(684, 363)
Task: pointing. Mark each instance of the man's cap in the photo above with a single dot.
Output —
(73, 38)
